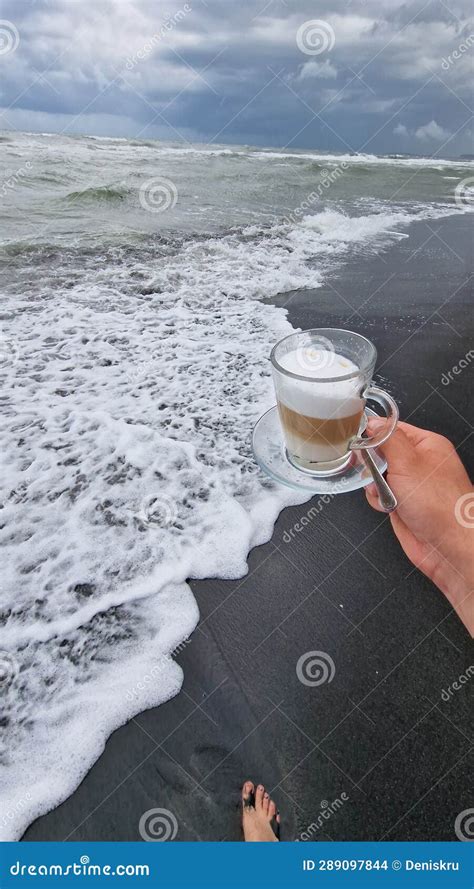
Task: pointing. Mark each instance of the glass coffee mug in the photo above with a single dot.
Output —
(322, 382)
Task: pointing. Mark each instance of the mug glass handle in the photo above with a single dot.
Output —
(391, 414)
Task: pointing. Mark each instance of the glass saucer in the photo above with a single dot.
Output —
(270, 454)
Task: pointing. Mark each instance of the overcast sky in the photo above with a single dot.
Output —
(361, 75)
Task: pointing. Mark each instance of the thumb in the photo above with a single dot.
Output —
(398, 450)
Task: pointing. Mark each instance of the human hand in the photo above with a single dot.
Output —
(432, 521)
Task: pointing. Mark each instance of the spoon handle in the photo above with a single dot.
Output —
(387, 498)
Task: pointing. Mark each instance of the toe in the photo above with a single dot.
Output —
(259, 797)
(265, 803)
(271, 810)
(247, 791)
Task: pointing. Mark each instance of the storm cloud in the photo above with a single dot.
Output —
(364, 75)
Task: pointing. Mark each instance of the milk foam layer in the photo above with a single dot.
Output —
(324, 400)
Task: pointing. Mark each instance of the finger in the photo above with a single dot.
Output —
(373, 498)
(398, 450)
(413, 433)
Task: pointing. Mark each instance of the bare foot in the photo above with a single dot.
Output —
(258, 812)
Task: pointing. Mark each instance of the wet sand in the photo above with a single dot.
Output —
(379, 737)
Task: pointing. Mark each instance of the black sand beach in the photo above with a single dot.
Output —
(380, 736)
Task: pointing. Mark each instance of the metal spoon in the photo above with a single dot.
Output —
(387, 498)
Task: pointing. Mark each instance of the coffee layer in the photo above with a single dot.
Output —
(318, 439)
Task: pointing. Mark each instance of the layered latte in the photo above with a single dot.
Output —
(319, 414)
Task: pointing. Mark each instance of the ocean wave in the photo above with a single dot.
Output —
(242, 151)
(364, 159)
(169, 151)
(99, 194)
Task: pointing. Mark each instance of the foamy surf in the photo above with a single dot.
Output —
(132, 377)
(364, 159)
